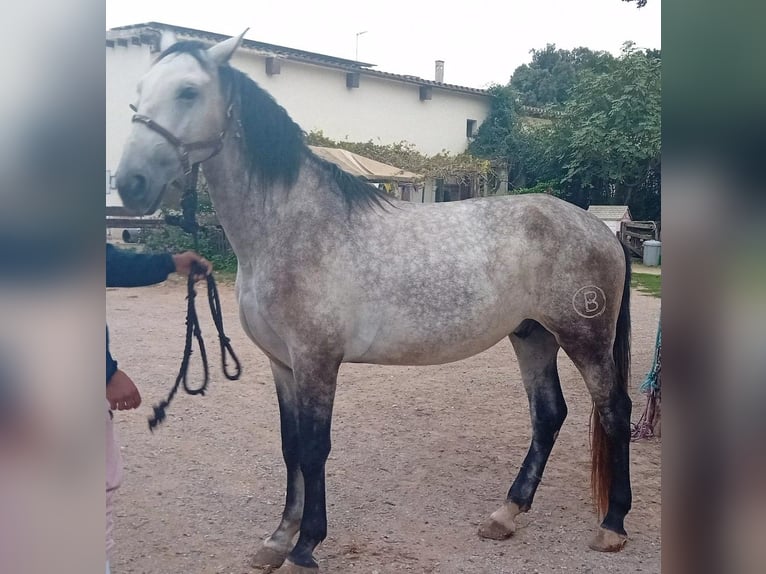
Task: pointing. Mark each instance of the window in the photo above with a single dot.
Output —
(470, 128)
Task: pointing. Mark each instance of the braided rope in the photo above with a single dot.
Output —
(193, 331)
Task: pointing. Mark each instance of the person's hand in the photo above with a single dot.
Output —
(183, 262)
(122, 393)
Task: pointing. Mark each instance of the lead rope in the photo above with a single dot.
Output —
(193, 330)
(225, 342)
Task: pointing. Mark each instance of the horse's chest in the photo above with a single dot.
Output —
(256, 324)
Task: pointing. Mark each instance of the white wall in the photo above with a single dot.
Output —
(124, 68)
(384, 111)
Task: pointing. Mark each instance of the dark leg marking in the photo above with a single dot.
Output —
(614, 408)
(276, 547)
(316, 382)
(537, 358)
(536, 349)
(615, 418)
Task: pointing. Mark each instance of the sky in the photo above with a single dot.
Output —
(480, 41)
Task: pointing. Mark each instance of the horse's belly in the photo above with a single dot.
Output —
(422, 355)
(401, 346)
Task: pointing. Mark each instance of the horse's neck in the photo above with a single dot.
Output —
(250, 214)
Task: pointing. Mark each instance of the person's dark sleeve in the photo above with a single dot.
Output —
(111, 364)
(130, 269)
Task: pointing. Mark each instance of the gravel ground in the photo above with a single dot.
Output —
(421, 455)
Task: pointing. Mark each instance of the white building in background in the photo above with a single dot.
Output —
(611, 215)
(345, 99)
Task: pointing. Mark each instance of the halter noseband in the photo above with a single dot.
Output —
(182, 148)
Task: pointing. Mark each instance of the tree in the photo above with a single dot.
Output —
(549, 77)
(604, 146)
(508, 143)
(612, 126)
(497, 138)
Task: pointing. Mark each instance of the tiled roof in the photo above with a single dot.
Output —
(610, 212)
(150, 31)
(421, 82)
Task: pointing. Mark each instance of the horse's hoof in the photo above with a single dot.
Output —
(500, 524)
(290, 568)
(608, 541)
(267, 558)
(495, 531)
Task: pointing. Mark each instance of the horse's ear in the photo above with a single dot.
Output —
(167, 39)
(222, 51)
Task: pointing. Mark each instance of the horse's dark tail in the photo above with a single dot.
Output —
(601, 470)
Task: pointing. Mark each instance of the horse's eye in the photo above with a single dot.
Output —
(188, 94)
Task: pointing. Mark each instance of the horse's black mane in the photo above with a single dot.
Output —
(275, 144)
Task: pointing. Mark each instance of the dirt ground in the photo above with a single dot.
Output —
(421, 455)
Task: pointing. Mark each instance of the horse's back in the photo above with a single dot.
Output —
(505, 237)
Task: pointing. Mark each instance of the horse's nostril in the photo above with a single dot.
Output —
(137, 186)
(131, 187)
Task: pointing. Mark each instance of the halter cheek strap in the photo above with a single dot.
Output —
(183, 149)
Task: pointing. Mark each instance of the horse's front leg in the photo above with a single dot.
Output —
(277, 546)
(315, 381)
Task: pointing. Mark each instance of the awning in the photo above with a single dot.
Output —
(364, 167)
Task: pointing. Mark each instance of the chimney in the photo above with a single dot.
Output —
(439, 77)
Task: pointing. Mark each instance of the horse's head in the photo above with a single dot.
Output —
(181, 118)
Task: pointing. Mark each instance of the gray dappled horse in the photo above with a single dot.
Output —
(326, 276)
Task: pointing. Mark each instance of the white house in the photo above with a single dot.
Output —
(345, 99)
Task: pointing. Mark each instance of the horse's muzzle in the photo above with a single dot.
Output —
(133, 189)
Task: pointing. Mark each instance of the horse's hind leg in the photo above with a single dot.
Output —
(610, 444)
(536, 349)
(277, 546)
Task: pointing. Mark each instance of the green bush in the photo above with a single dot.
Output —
(549, 187)
(211, 244)
(211, 240)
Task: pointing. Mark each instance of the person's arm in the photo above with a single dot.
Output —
(129, 269)
(121, 391)
(111, 364)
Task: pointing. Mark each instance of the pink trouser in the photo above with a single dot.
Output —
(113, 478)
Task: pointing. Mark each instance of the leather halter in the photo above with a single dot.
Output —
(182, 148)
